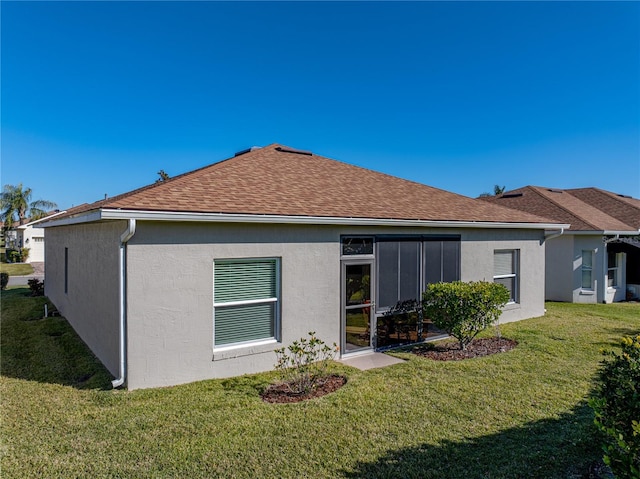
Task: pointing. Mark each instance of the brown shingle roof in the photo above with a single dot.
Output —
(582, 208)
(274, 180)
(624, 208)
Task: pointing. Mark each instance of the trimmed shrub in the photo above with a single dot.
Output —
(464, 309)
(24, 254)
(13, 256)
(4, 280)
(36, 286)
(616, 404)
(304, 363)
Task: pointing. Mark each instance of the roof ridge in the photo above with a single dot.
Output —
(535, 188)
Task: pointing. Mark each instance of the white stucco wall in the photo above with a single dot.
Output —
(91, 301)
(170, 289)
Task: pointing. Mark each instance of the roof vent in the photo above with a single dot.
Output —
(553, 190)
(292, 150)
(511, 195)
(242, 152)
(624, 196)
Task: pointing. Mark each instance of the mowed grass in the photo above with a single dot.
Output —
(517, 414)
(16, 269)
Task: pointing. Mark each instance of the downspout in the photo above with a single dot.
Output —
(555, 235)
(124, 238)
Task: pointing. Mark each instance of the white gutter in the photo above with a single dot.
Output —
(124, 238)
(117, 214)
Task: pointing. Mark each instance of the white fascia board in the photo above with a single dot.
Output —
(142, 215)
(602, 233)
(41, 220)
(108, 214)
(88, 217)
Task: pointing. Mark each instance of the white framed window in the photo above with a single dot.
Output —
(506, 271)
(587, 269)
(612, 269)
(246, 301)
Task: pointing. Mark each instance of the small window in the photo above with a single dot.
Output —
(246, 300)
(612, 269)
(357, 245)
(505, 272)
(587, 269)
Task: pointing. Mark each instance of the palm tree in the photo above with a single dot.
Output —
(497, 191)
(14, 200)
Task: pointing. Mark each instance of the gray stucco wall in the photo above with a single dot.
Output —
(91, 301)
(478, 247)
(559, 280)
(170, 289)
(593, 243)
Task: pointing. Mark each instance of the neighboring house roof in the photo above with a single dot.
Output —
(586, 209)
(624, 208)
(50, 215)
(279, 181)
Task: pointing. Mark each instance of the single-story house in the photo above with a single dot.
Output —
(30, 235)
(203, 275)
(595, 260)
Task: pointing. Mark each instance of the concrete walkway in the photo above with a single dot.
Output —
(38, 273)
(370, 361)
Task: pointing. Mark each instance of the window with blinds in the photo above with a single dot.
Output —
(505, 271)
(245, 300)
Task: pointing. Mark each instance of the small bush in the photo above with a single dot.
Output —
(464, 309)
(4, 280)
(616, 403)
(13, 256)
(24, 254)
(304, 363)
(36, 286)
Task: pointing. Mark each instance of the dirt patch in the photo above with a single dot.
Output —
(280, 393)
(476, 349)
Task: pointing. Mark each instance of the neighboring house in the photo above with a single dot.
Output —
(30, 235)
(598, 258)
(205, 274)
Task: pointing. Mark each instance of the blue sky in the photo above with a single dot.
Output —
(99, 96)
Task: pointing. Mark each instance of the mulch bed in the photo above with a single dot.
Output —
(280, 393)
(475, 349)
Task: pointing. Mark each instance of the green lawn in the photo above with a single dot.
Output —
(517, 414)
(16, 269)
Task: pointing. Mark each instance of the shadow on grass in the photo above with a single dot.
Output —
(566, 447)
(46, 350)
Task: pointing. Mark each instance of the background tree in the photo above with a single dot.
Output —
(15, 202)
(497, 191)
(163, 176)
